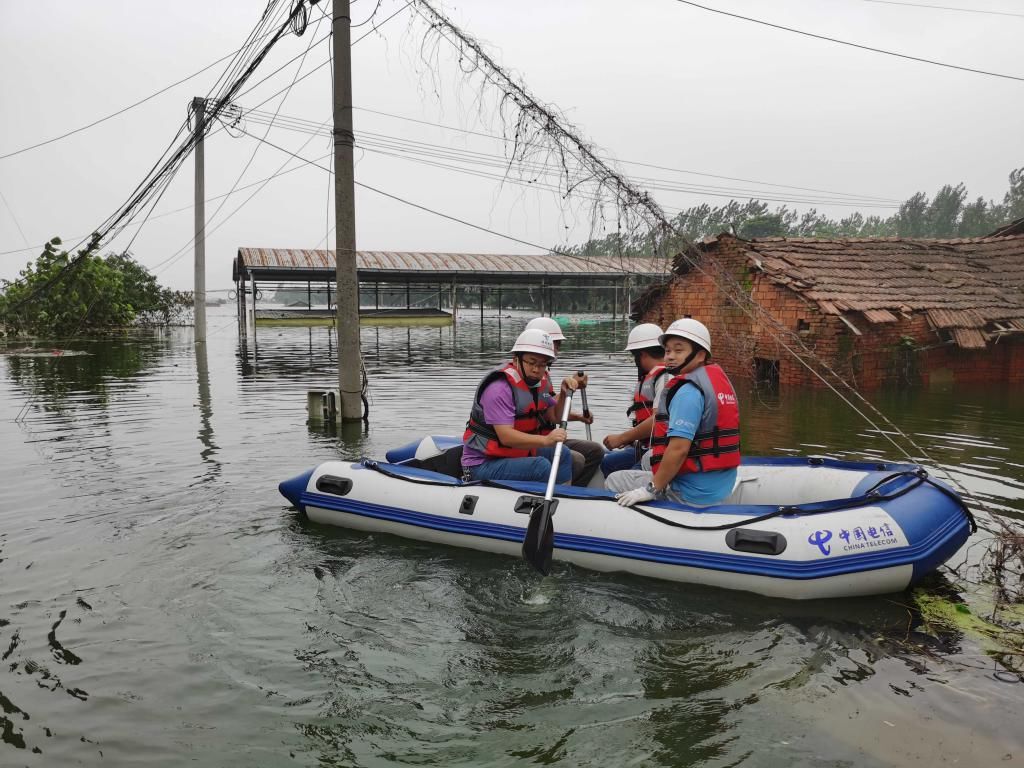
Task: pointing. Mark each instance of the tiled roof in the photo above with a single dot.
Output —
(963, 284)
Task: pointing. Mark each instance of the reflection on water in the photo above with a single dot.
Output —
(162, 604)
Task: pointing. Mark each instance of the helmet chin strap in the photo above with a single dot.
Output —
(689, 359)
(531, 383)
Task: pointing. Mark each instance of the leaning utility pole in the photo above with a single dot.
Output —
(347, 277)
(199, 290)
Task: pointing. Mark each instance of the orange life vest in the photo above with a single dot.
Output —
(716, 444)
(529, 416)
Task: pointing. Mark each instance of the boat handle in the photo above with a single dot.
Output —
(756, 542)
(337, 486)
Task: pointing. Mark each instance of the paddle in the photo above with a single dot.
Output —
(586, 408)
(540, 533)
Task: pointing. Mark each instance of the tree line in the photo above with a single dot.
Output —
(948, 214)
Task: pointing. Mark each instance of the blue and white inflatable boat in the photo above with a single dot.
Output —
(798, 528)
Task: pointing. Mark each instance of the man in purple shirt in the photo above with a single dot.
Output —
(511, 433)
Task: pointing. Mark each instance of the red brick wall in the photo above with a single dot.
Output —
(999, 362)
(1015, 362)
(907, 351)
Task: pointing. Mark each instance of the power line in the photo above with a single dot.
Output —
(125, 109)
(297, 80)
(13, 218)
(174, 257)
(186, 207)
(947, 8)
(637, 162)
(163, 265)
(270, 124)
(443, 215)
(159, 176)
(322, 65)
(375, 142)
(852, 45)
(651, 184)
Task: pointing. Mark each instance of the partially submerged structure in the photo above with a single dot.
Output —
(875, 310)
(549, 274)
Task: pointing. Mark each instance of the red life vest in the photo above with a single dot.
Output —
(529, 416)
(643, 396)
(716, 445)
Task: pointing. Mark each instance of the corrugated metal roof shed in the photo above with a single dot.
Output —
(301, 264)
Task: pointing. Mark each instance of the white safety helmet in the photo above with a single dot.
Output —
(536, 341)
(548, 325)
(644, 336)
(690, 329)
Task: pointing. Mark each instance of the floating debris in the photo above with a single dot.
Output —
(37, 352)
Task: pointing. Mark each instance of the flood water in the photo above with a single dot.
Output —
(162, 604)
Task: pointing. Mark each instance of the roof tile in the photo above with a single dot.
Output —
(963, 283)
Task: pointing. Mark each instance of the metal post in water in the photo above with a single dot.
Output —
(243, 316)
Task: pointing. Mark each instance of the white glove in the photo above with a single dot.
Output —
(636, 496)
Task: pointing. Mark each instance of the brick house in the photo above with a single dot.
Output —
(875, 310)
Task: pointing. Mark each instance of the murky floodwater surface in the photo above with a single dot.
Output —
(162, 605)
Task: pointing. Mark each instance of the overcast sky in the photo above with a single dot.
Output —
(653, 81)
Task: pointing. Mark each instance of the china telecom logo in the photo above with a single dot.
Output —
(820, 539)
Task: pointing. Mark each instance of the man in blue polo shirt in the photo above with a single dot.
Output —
(696, 447)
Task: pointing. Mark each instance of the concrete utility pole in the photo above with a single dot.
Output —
(347, 277)
(199, 290)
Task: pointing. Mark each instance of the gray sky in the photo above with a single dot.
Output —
(654, 81)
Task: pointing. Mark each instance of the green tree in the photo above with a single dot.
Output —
(976, 219)
(945, 210)
(59, 295)
(1013, 202)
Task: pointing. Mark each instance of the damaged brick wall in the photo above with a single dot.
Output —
(907, 351)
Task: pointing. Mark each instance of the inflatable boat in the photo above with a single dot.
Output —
(794, 527)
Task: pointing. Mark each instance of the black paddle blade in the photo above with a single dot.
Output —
(540, 536)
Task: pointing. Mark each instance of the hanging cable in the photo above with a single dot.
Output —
(851, 45)
(947, 8)
(166, 167)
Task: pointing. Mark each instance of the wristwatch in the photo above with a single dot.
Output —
(654, 491)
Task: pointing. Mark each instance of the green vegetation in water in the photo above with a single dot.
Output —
(943, 615)
(88, 294)
(994, 619)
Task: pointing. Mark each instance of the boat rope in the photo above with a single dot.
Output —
(376, 466)
(871, 496)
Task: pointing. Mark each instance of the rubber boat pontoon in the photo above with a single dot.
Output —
(793, 527)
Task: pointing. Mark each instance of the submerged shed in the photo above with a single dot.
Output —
(873, 309)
